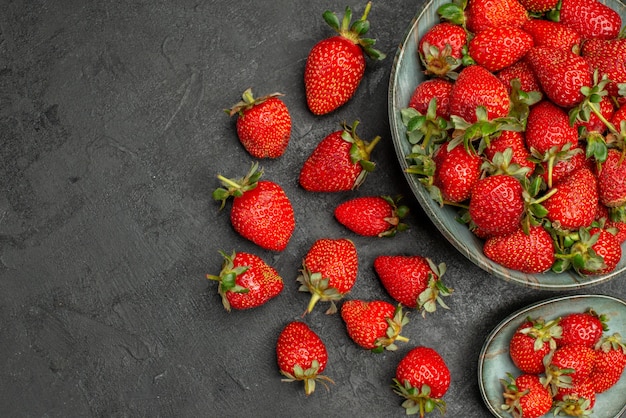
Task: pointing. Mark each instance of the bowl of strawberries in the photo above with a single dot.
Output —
(508, 118)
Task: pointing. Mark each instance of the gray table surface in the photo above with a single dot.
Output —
(112, 134)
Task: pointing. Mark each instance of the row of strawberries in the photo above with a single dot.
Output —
(521, 124)
(262, 213)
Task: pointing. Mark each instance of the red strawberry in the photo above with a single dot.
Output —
(531, 252)
(618, 229)
(261, 211)
(575, 201)
(569, 365)
(433, 88)
(525, 396)
(539, 6)
(372, 216)
(340, 162)
(548, 126)
(532, 342)
(547, 33)
(498, 47)
(422, 378)
(476, 86)
(413, 281)
(564, 163)
(610, 361)
(612, 180)
(521, 71)
(375, 325)
(329, 271)
(590, 18)
(246, 281)
(457, 169)
(595, 123)
(599, 251)
(516, 142)
(482, 14)
(336, 65)
(301, 355)
(607, 56)
(263, 124)
(577, 400)
(584, 328)
(561, 74)
(497, 204)
(441, 48)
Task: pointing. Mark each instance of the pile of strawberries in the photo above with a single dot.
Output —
(562, 364)
(262, 212)
(521, 124)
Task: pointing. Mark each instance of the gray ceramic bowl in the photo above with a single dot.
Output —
(494, 360)
(406, 74)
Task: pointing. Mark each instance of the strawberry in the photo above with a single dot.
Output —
(433, 88)
(372, 216)
(442, 47)
(548, 126)
(546, 33)
(302, 356)
(574, 203)
(263, 124)
(561, 74)
(422, 378)
(531, 252)
(539, 6)
(532, 341)
(618, 229)
(590, 18)
(335, 66)
(456, 171)
(597, 252)
(246, 281)
(598, 123)
(577, 400)
(568, 365)
(609, 364)
(564, 163)
(329, 271)
(413, 281)
(607, 56)
(497, 47)
(584, 328)
(482, 14)
(497, 204)
(374, 325)
(519, 70)
(340, 162)
(516, 142)
(525, 396)
(476, 86)
(261, 211)
(612, 180)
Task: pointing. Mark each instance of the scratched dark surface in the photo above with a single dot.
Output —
(112, 132)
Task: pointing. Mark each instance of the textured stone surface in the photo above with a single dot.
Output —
(111, 136)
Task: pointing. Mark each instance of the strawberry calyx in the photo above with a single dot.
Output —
(543, 332)
(611, 342)
(573, 406)
(577, 252)
(435, 291)
(353, 31)
(392, 334)
(425, 131)
(237, 187)
(248, 101)
(360, 151)
(551, 157)
(318, 286)
(418, 399)
(227, 278)
(398, 212)
(309, 376)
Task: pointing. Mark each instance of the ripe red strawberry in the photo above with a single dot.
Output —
(577, 400)
(263, 124)
(433, 88)
(610, 361)
(521, 71)
(590, 18)
(302, 356)
(246, 281)
(599, 251)
(374, 325)
(413, 281)
(457, 169)
(612, 180)
(547, 33)
(561, 74)
(329, 271)
(340, 162)
(548, 126)
(335, 66)
(607, 56)
(539, 6)
(569, 365)
(476, 86)
(441, 48)
(595, 123)
(584, 328)
(482, 14)
(516, 142)
(261, 210)
(531, 252)
(532, 342)
(372, 216)
(497, 204)
(422, 378)
(497, 47)
(564, 163)
(525, 396)
(575, 201)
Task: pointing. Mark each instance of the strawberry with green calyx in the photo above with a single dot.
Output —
(609, 362)
(246, 281)
(577, 400)
(595, 251)
(426, 91)
(425, 131)
(422, 378)
(521, 73)
(261, 211)
(340, 162)
(302, 356)
(329, 271)
(525, 396)
(575, 202)
(336, 65)
(374, 325)
(584, 328)
(372, 216)
(508, 152)
(263, 124)
(532, 341)
(456, 171)
(443, 49)
(607, 56)
(568, 366)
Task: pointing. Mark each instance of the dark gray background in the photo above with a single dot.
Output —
(112, 134)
